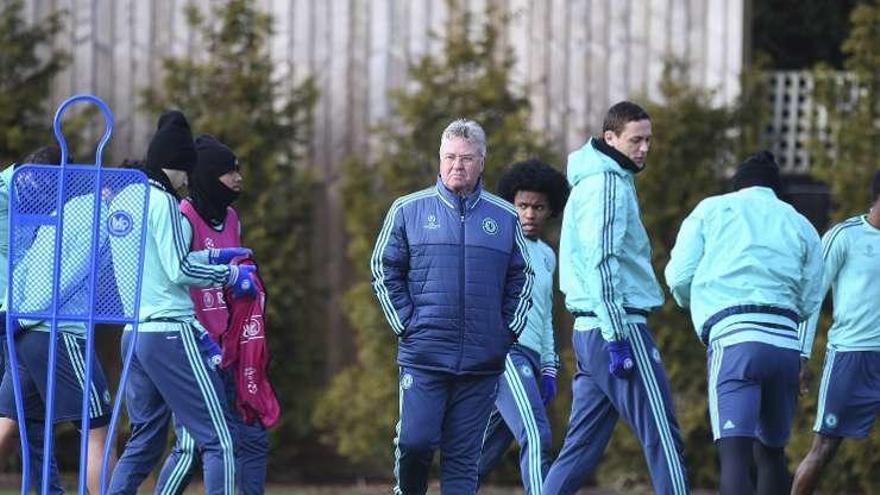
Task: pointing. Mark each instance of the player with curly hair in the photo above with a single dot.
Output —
(539, 192)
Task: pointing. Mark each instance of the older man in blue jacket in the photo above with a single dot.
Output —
(451, 272)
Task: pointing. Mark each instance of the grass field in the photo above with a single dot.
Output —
(9, 483)
(376, 489)
(386, 489)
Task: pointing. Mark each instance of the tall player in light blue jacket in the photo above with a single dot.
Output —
(173, 370)
(609, 284)
(849, 394)
(539, 192)
(749, 267)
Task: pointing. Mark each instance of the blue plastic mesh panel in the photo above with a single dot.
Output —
(100, 244)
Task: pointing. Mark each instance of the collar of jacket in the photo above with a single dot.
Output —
(159, 180)
(625, 163)
(453, 200)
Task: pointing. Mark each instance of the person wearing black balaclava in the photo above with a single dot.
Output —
(749, 268)
(214, 184)
(171, 371)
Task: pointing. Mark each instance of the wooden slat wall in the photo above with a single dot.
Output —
(575, 57)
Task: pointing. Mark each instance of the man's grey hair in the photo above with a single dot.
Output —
(468, 130)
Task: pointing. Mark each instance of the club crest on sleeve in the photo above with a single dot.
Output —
(119, 223)
(526, 370)
(490, 226)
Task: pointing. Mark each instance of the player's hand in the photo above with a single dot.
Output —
(224, 256)
(211, 349)
(804, 377)
(548, 384)
(241, 280)
(620, 358)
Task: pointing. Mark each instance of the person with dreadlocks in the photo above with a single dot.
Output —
(173, 370)
(538, 192)
(214, 184)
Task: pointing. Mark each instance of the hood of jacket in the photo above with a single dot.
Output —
(597, 157)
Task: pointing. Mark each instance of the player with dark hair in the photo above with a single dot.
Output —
(173, 368)
(610, 288)
(539, 192)
(849, 394)
(749, 269)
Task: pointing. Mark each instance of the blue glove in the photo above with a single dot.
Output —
(215, 355)
(223, 256)
(620, 358)
(242, 281)
(548, 385)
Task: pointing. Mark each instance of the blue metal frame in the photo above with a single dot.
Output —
(52, 314)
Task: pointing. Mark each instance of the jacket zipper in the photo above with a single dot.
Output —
(461, 285)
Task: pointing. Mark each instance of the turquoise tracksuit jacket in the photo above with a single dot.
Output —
(749, 267)
(5, 180)
(169, 266)
(605, 267)
(851, 251)
(34, 271)
(538, 333)
(34, 268)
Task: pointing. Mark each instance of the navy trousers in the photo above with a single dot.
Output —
(251, 452)
(599, 398)
(519, 413)
(170, 373)
(445, 411)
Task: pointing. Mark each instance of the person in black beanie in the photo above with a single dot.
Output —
(172, 370)
(749, 268)
(758, 170)
(214, 184)
(171, 155)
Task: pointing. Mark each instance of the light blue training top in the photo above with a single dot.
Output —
(852, 271)
(749, 267)
(538, 333)
(169, 266)
(604, 252)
